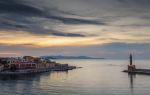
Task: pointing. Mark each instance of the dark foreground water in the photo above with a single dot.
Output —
(97, 77)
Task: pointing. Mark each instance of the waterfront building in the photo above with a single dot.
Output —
(26, 62)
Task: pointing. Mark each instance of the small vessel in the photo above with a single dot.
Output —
(133, 70)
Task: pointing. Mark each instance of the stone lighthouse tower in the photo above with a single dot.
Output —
(131, 67)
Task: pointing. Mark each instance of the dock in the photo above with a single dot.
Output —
(133, 70)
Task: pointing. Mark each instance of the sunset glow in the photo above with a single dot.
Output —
(62, 27)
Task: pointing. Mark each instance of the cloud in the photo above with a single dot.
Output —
(29, 16)
(17, 15)
(113, 50)
(33, 29)
(66, 20)
(48, 23)
(17, 7)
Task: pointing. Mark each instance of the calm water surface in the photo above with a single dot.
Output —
(97, 77)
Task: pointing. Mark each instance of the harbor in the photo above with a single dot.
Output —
(30, 65)
(133, 70)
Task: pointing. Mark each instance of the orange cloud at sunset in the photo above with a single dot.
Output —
(25, 38)
(35, 40)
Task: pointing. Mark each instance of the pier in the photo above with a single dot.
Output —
(133, 70)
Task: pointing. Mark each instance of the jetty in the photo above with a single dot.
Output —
(133, 70)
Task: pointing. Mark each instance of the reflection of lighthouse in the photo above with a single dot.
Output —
(131, 67)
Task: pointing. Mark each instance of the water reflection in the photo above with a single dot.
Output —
(132, 77)
(95, 78)
(30, 76)
(21, 77)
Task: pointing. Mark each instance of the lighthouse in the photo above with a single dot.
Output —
(131, 67)
(130, 59)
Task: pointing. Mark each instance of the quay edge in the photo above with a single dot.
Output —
(30, 65)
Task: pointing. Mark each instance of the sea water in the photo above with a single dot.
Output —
(97, 77)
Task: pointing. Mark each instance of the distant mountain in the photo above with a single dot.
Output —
(69, 57)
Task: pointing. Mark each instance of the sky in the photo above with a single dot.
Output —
(96, 28)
